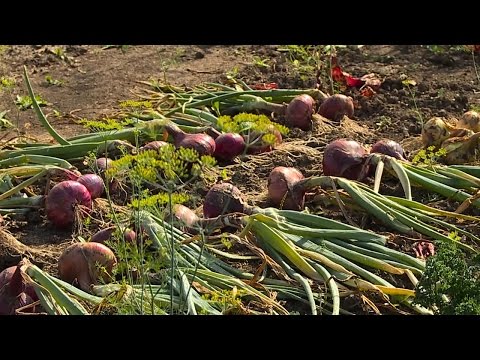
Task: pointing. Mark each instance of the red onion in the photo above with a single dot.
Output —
(299, 112)
(228, 146)
(389, 147)
(336, 106)
(62, 201)
(103, 163)
(281, 190)
(15, 292)
(223, 198)
(344, 158)
(186, 217)
(153, 145)
(202, 143)
(93, 183)
(103, 235)
(129, 235)
(86, 264)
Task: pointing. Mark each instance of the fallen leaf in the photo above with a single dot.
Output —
(341, 76)
(367, 91)
(409, 82)
(423, 249)
(200, 288)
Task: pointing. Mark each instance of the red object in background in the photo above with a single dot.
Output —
(423, 249)
(367, 91)
(369, 80)
(265, 86)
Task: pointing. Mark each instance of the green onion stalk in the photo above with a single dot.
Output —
(455, 182)
(240, 98)
(308, 248)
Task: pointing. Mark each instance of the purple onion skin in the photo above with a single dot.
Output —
(154, 145)
(344, 158)
(299, 112)
(223, 198)
(185, 218)
(93, 183)
(129, 236)
(103, 163)
(228, 146)
(202, 143)
(15, 292)
(103, 235)
(389, 147)
(336, 106)
(62, 200)
(281, 190)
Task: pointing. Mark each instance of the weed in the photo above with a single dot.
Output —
(7, 82)
(136, 104)
(52, 81)
(4, 122)
(313, 60)
(450, 284)
(106, 124)
(232, 74)
(429, 156)
(409, 85)
(25, 102)
(475, 108)
(383, 122)
(261, 62)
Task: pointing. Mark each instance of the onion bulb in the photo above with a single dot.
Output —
(470, 120)
(93, 183)
(103, 163)
(63, 200)
(390, 148)
(344, 158)
(228, 146)
(256, 145)
(435, 131)
(184, 217)
(153, 145)
(299, 112)
(202, 143)
(103, 235)
(223, 198)
(281, 190)
(85, 264)
(336, 106)
(15, 292)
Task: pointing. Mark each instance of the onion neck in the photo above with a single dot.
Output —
(257, 103)
(174, 131)
(312, 182)
(16, 284)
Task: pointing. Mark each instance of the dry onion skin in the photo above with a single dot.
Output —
(470, 120)
(435, 131)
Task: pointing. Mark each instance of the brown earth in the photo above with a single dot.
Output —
(94, 79)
